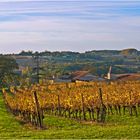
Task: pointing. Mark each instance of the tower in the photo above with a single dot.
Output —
(109, 73)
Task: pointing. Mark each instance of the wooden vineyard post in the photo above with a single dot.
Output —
(102, 110)
(38, 110)
(59, 107)
(130, 104)
(83, 107)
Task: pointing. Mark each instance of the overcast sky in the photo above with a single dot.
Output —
(79, 25)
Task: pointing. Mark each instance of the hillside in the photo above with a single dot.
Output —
(97, 62)
(130, 52)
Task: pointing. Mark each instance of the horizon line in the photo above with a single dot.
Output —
(34, 51)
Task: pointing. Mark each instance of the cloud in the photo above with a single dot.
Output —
(68, 25)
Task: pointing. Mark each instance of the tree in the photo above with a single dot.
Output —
(7, 67)
(26, 53)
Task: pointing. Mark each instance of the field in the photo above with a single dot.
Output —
(115, 126)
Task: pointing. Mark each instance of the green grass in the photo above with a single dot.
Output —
(120, 127)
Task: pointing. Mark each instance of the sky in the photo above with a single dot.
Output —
(69, 25)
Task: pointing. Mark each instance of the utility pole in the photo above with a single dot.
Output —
(36, 68)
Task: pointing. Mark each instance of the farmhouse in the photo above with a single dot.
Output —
(78, 76)
(122, 77)
(126, 77)
(84, 76)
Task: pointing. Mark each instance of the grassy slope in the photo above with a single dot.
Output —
(117, 127)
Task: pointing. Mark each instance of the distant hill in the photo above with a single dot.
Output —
(95, 61)
(130, 51)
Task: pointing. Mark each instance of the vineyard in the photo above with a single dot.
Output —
(91, 101)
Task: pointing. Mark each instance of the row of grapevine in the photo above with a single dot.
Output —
(88, 101)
